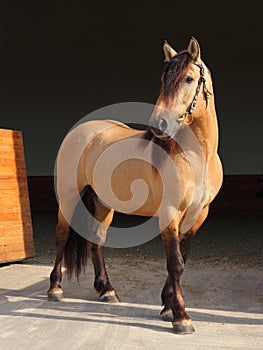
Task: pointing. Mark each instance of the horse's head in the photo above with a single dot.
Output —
(180, 101)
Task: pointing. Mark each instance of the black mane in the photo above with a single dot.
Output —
(158, 157)
(173, 73)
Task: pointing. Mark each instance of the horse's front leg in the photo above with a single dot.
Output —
(185, 245)
(167, 292)
(172, 293)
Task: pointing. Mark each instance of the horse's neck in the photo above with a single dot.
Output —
(205, 127)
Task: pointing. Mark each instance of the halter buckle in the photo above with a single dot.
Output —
(182, 118)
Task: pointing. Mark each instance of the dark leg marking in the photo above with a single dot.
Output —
(55, 292)
(101, 283)
(172, 293)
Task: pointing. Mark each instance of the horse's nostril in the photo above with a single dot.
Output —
(162, 125)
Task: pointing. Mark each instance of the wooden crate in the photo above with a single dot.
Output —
(16, 236)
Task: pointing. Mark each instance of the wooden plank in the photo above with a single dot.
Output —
(8, 184)
(10, 154)
(16, 208)
(16, 236)
(14, 241)
(16, 246)
(19, 163)
(14, 192)
(8, 223)
(11, 147)
(10, 133)
(16, 202)
(10, 216)
(20, 172)
(6, 232)
(15, 255)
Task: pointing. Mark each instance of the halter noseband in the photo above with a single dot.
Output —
(206, 92)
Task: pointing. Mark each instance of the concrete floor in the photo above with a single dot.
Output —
(222, 286)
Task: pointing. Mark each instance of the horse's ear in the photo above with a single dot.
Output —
(194, 49)
(169, 52)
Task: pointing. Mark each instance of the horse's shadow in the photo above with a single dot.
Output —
(32, 302)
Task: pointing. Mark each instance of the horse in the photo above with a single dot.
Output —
(183, 176)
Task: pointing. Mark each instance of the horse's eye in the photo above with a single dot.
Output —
(189, 80)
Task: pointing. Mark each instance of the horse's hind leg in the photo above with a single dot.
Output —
(103, 216)
(101, 283)
(55, 292)
(68, 201)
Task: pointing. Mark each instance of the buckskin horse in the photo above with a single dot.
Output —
(183, 130)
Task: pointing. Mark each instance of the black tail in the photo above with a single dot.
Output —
(77, 247)
(75, 254)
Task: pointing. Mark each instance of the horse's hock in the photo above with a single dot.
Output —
(16, 236)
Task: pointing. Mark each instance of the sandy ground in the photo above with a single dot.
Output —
(222, 286)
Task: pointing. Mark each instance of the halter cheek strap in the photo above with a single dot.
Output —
(206, 92)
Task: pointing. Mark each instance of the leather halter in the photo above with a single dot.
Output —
(206, 92)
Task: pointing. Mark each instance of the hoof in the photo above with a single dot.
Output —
(55, 294)
(183, 327)
(167, 315)
(110, 297)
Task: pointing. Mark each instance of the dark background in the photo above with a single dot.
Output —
(61, 60)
